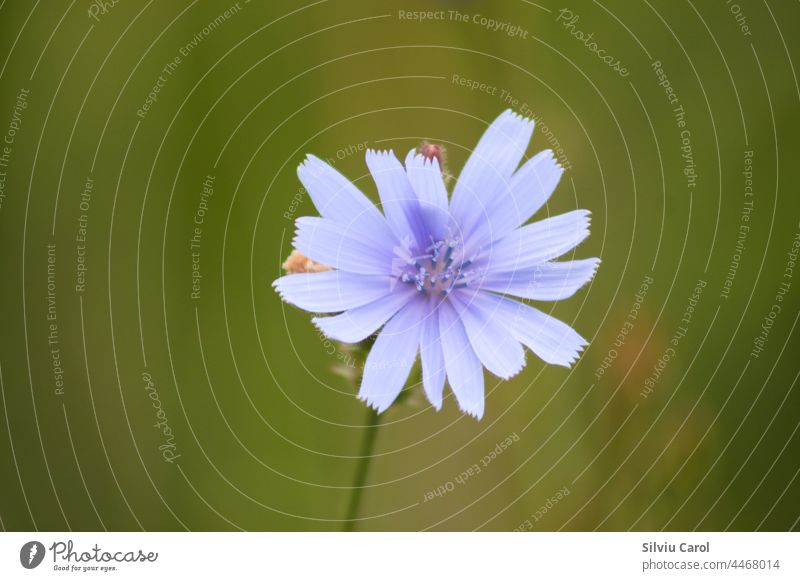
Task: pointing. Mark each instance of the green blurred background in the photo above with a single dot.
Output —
(258, 428)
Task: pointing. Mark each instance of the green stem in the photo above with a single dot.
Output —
(367, 445)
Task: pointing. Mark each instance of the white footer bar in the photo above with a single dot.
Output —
(387, 556)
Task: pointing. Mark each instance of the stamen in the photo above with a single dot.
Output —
(440, 267)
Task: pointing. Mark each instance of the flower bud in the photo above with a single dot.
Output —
(431, 150)
(298, 263)
(434, 150)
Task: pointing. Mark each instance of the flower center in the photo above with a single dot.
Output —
(440, 269)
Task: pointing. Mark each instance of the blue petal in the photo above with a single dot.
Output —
(400, 203)
(426, 178)
(489, 169)
(340, 247)
(551, 281)
(357, 324)
(552, 340)
(332, 291)
(536, 243)
(390, 359)
(337, 199)
(464, 370)
(433, 370)
(527, 191)
(491, 340)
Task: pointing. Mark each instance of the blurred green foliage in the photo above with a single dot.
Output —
(263, 432)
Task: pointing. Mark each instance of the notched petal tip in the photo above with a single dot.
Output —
(379, 408)
(549, 155)
(379, 153)
(278, 286)
(515, 115)
(319, 324)
(514, 372)
(477, 414)
(573, 355)
(546, 153)
(595, 266)
(307, 162)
